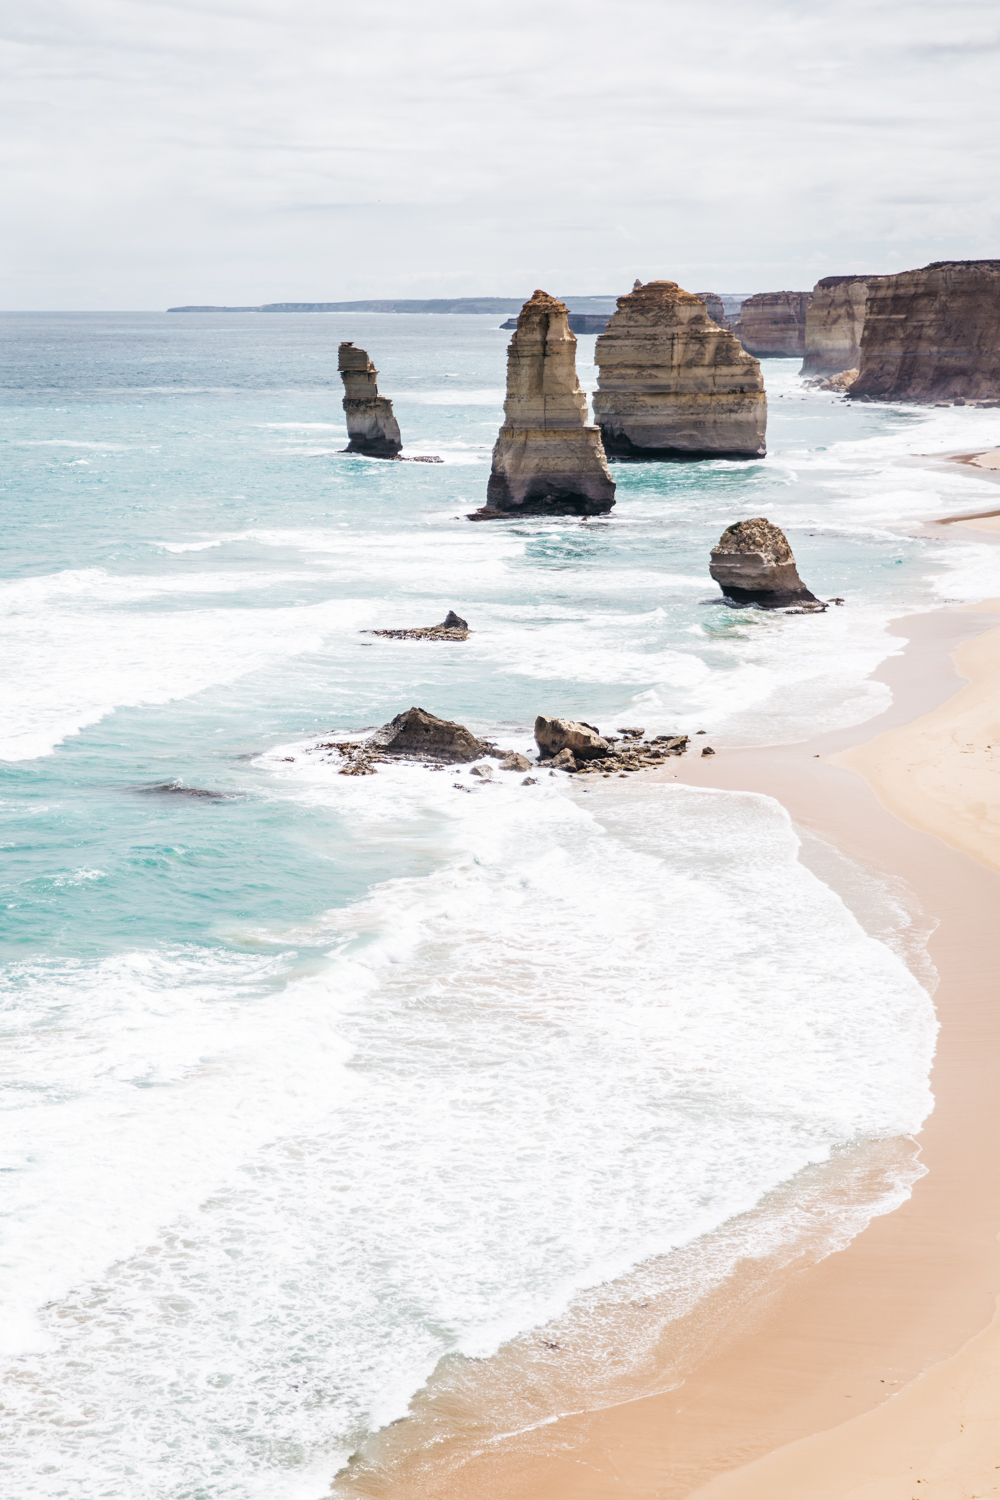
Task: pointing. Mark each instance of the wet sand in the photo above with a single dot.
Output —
(782, 1357)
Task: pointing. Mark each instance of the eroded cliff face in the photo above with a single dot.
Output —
(834, 323)
(933, 335)
(547, 460)
(371, 427)
(673, 384)
(773, 324)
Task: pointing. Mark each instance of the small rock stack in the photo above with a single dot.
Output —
(753, 564)
(371, 427)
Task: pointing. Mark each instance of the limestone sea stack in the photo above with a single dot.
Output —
(715, 306)
(673, 384)
(834, 323)
(933, 335)
(753, 564)
(547, 460)
(371, 427)
(772, 325)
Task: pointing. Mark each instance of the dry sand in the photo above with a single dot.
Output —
(762, 1408)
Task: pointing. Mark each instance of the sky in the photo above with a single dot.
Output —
(157, 153)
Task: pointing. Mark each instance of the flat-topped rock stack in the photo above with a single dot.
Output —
(933, 335)
(772, 325)
(753, 564)
(835, 320)
(673, 384)
(547, 459)
(371, 427)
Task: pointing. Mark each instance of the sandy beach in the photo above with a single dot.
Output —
(863, 1371)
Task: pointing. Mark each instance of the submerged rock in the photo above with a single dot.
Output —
(753, 564)
(773, 324)
(371, 427)
(584, 742)
(418, 735)
(933, 334)
(835, 320)
(177, 789)
(547, 460)
(673, 384)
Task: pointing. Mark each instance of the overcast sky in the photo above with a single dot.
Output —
(246, 151)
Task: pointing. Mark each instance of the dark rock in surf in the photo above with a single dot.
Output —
(418, 735)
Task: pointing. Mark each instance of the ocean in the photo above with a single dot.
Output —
(323, 1092)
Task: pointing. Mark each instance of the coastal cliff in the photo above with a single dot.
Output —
(933, 335)
(546, 460)
(371, 427)
(673, 384)
(773, 324)
(834, 323)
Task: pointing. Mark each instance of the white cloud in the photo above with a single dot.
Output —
(160, 153)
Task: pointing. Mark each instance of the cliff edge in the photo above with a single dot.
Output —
(933, 334)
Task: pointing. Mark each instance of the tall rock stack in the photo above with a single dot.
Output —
(933, 335)
(371, 427)
(673, 384)
(772, 325)
(834, 323)
(547, 460)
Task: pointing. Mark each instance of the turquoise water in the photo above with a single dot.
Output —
(241, 1028)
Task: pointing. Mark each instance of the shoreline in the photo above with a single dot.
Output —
(821, 1342)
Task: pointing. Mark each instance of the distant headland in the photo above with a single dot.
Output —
(597, 304)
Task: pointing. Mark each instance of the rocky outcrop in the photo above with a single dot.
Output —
(371, 427)
(673, 384)
(418, 735)
(842, 381)
(753, 564)
(834, 323)
(714, 306)
(772, 325)
(547, 460)
(933, 334)
(452, 628)
(583, 741)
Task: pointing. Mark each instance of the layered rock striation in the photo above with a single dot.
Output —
(547, 459)
(835, 320)
(371, 427)
(753, 564)
(933, 335)
(772, 325)
(673, 384)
